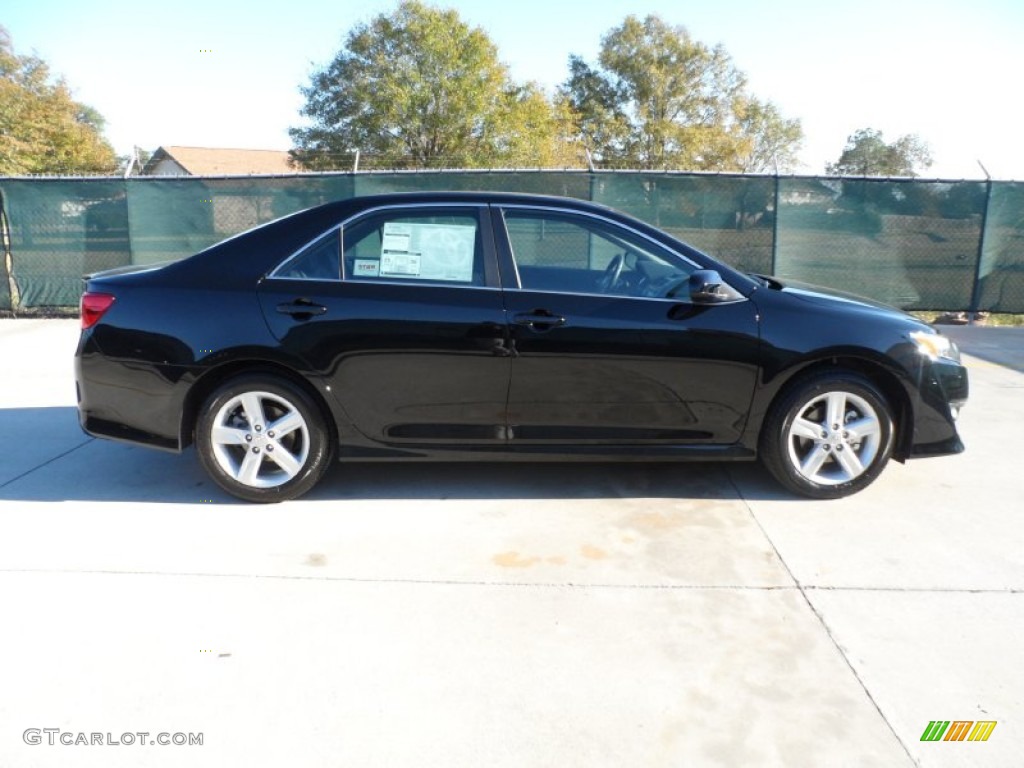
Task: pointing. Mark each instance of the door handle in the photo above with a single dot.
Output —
(539, 320)
(301, 309)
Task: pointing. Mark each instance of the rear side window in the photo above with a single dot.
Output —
(320, 260)
(415, 246)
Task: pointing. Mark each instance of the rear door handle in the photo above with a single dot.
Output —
(301, 309)
(539, 320)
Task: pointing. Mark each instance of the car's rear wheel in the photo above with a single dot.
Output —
(829, 435)
(261, 438)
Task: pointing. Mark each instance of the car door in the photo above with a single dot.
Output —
(605, 353)
(399, 308)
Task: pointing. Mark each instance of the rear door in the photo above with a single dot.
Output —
(408, 326)
(608, 348)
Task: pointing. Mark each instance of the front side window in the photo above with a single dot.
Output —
(415, 246)
(566, 252)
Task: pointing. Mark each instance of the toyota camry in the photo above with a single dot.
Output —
(456, 326)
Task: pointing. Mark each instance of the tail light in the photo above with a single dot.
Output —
(94, 306)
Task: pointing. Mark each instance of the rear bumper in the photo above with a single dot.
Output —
(127, 400)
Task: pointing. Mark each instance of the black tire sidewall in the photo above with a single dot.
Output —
(317, 459)
(775, 440)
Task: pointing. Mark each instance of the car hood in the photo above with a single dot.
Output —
(822, 296)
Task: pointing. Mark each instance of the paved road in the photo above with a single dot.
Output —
(496, 615)
(998, 345)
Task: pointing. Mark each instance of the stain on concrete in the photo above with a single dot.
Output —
(593, 553)
(316, 559)
(514, 560)
(697, 514)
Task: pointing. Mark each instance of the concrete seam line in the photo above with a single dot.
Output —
(937, 590)
(535, 584)
(423, 582)
(45, 463)
(821, 620)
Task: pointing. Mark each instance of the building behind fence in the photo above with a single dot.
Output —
(919, 244)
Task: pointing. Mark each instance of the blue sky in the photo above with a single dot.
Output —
(947, 71)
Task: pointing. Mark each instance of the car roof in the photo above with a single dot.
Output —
(466, 196)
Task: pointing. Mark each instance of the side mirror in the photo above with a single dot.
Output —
(706, 287)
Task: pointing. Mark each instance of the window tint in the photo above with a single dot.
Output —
(320, 260)
(415, 246)
(578, 254)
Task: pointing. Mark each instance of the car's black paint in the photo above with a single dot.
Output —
(405, 363)
(630, 370)
(452, 372)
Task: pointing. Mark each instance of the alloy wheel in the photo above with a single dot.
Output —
(260, 439)
(834, 438)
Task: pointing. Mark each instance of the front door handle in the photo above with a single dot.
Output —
(539, 320)
(301, 309)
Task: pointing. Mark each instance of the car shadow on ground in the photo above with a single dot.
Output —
(64, 464)
(549, 480)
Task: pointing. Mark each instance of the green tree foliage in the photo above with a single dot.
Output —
(769, 141)
(421, 88)
(867, 154)
(598, 104)
(660, 99)
(42, 129)
(529, 131)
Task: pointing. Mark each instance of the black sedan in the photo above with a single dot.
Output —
(482, 326)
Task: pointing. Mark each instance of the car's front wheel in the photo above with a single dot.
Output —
(261, 438)
(829, 435)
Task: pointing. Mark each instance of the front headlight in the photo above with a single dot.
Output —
(935, 346)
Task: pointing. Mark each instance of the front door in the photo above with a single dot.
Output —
(605, 351)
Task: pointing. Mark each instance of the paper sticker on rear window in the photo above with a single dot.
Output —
(428, 251)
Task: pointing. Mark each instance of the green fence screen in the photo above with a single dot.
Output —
(918, 244)
(909, 243)
(727, 216)
(1001, 271)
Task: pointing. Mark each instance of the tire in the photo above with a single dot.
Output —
(242, 451)
(828, 436)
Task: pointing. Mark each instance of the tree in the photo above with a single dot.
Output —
(43, 129)
(867, 154)
(134, 162)
(598, 104)
(660, 99)
(421, 88)
(529, 131)
(770, 141)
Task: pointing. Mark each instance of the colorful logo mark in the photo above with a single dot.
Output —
(958, 730)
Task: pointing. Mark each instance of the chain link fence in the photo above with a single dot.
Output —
(918, 244)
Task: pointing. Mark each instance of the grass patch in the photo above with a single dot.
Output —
(1002, 320)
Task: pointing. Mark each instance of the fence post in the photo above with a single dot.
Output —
(775, 227)
(976, 288)
(6, 259)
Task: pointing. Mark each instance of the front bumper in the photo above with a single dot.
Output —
(943, 389)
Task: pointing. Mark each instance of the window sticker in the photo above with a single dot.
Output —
(366, 268)
(428, 251)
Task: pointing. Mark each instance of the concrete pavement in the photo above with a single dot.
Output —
(468, 615)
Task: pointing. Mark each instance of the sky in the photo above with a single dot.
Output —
(227, 73)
